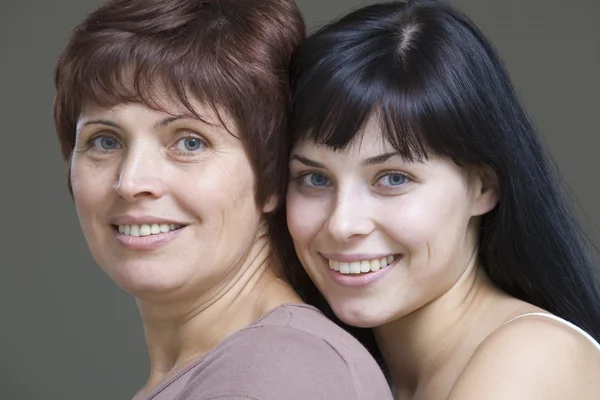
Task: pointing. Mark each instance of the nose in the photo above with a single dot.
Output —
(141, 175)
(349, 218)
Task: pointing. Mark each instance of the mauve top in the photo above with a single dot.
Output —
(293, 352)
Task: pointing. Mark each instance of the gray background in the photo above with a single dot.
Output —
(66, 331)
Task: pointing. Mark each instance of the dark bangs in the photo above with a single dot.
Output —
(395, 64)
(333, 100)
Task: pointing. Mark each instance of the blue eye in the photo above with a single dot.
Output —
(105, 143)
(393, 179)
(315, 179)
(190, 144)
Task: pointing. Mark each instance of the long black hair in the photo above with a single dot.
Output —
(438, 87)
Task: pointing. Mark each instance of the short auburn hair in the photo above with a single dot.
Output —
(232, 55)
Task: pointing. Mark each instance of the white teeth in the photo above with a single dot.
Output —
(374, 265)
(344, 268)
(146, 229)
(334, 265)
(358, 267)
(365, 266)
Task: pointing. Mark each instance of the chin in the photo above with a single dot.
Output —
(146, 288)
(359, 313)
(144, 280)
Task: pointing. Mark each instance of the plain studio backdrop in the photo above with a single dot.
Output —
(66, 330)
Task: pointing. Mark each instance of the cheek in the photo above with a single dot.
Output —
(305, 216)
(409, 225)
(221, 196)
(434, 221)
(91, 187)
(220, 183)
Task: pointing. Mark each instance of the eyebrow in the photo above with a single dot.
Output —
(307, 161)
(162, 123)
(379, 159)
(166, 121)
(102, 122)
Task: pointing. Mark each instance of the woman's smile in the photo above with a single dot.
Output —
(358, 270)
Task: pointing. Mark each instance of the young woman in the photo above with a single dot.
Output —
(164, 110)
(423, 205)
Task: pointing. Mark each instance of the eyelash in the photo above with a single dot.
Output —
(301, 179)
(203, 142)
(389, 173)
(89, 145)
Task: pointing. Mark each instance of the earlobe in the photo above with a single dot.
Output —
(487, 191)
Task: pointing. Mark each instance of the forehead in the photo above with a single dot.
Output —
(140, 113)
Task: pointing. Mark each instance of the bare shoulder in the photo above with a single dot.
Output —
(529, 358)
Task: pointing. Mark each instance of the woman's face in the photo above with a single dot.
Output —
(381, 236)
(165, 201)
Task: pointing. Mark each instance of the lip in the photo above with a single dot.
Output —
(361, 280)
(356, 256)
(146, 243)
(143, 220)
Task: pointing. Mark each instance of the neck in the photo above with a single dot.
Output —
(427, 349)
(184, 329)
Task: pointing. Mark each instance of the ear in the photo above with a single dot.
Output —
(270, 204)
(486, 190)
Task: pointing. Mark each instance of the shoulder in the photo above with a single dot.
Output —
(532, 357)
(302, 318)
(276, 359)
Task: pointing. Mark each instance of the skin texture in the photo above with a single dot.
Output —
(437, 317)
(216, 275)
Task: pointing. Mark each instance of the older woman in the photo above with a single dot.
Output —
(165, 110)
(422, 205)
